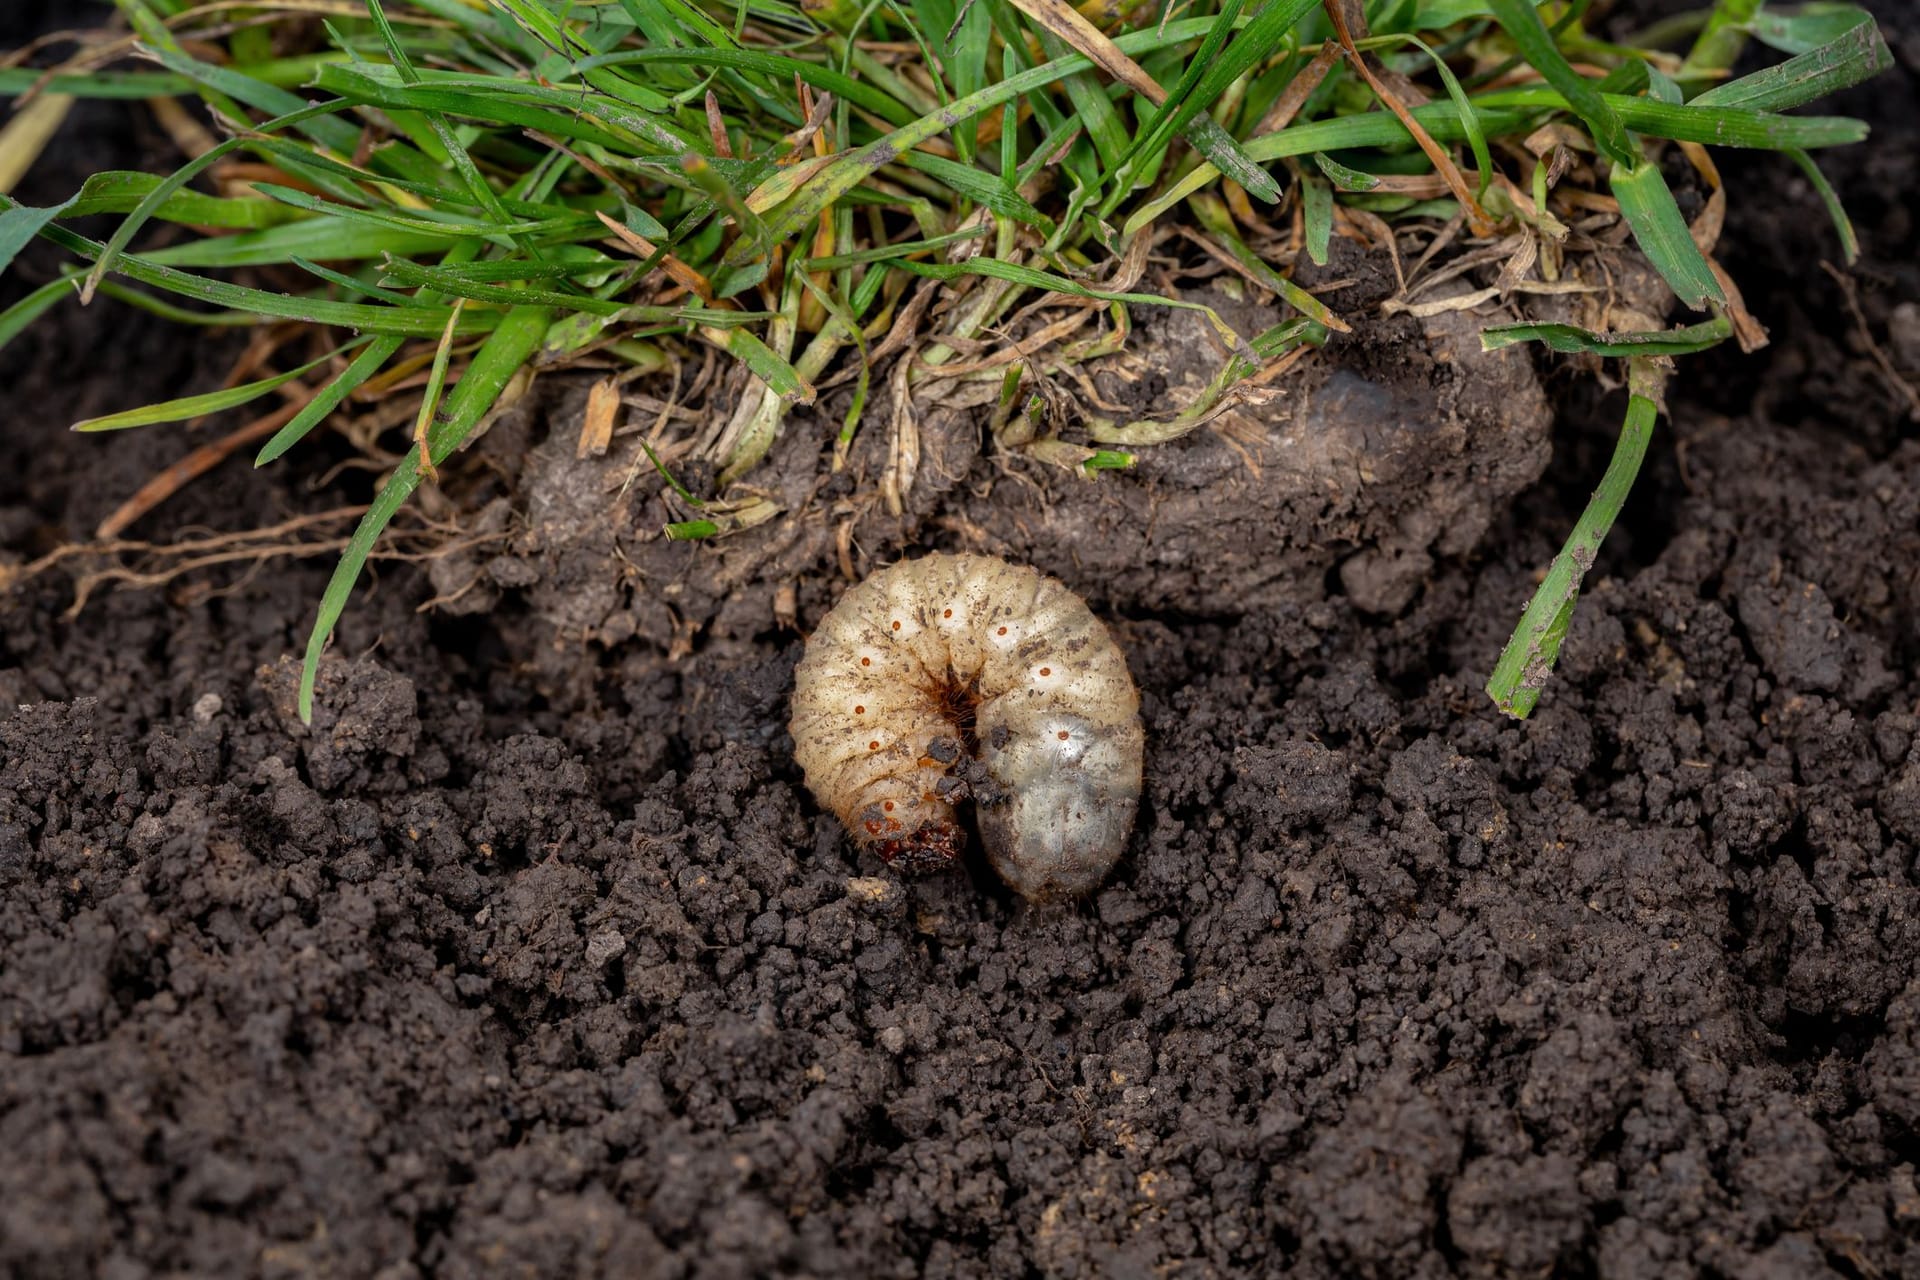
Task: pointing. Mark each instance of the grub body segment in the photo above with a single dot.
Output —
(961, 676)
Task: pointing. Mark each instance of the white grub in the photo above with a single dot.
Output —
(962, 676)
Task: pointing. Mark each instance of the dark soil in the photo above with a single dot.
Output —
(537, 960)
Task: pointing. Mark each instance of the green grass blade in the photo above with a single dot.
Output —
(980, 187)
(316, 239)
(1648, 205)
(141, 85)
(507, 348)
(1536, 44)
(763, 360)
(1256, 42)
(17, 317)
(411, 275)
(180, 315)
(20, 223)
(1857, 55)
(1091, 104)
(121, 191)
(364, 366)
(1572, 340)
(1806, 27)
(1711, 126)
(1469, 122)
(356, 286)
(1316, 198)
(1842, 224)
(369, 319)
(200, 405)
(1528, 659)
(429, 222)
(1344, 178)
(1720, 41)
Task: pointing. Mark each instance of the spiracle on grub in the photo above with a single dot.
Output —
(963, 677)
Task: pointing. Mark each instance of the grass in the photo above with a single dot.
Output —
(442, 196)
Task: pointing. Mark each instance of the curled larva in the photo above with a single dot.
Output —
(962, 676)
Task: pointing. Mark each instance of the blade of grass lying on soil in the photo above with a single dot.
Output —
(200, 405)
(1529, 656)
(499, 359)
(1572, 340)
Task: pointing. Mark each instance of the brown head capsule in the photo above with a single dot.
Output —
(960, 675)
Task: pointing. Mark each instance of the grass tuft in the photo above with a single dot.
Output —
(476, 189)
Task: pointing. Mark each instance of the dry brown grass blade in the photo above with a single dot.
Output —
(27, 135)
(1040, 340)
(196, 464)
(429, 404)
(97, 49)
(677, 271)
(1066, 22)
(253, 360)
(1705, 230)
(903, 442)
(717, 128)
(603, 408)
(814, 111)
(1380, 233)
(588, 163)
(192, 137)
(905, 328)
(1442, 162)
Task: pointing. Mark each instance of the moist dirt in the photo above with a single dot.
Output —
(533, 957)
